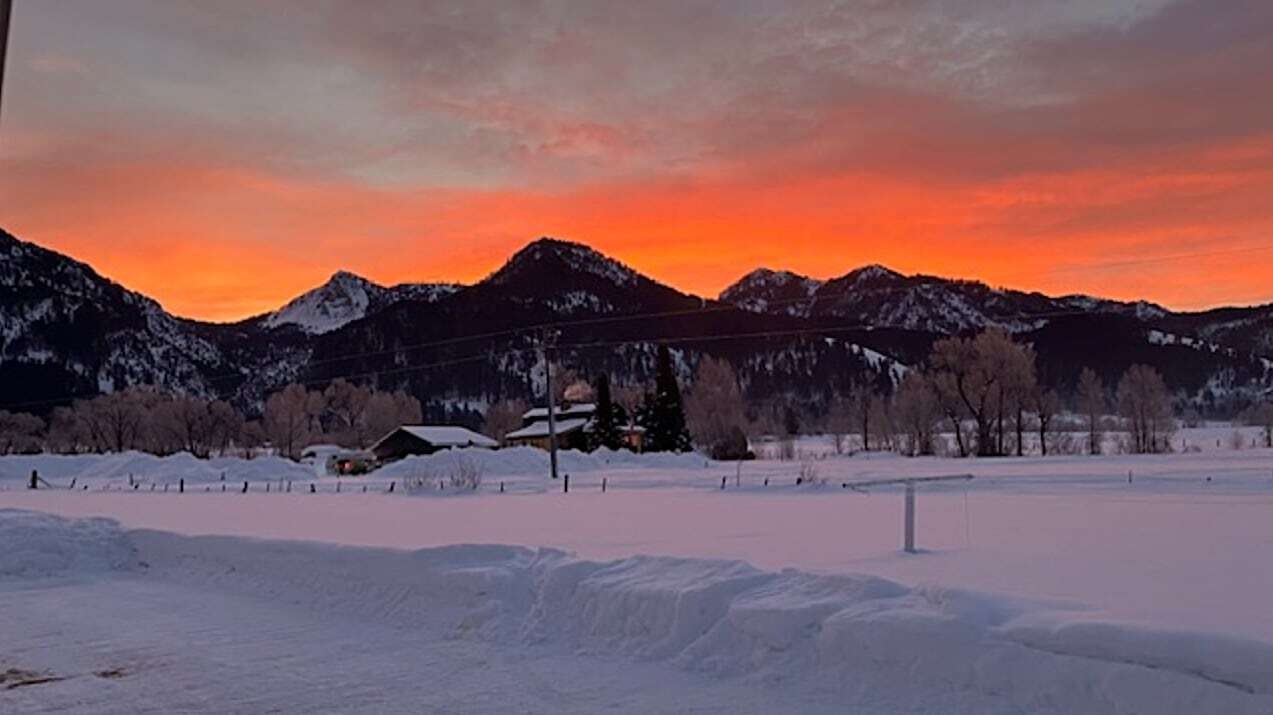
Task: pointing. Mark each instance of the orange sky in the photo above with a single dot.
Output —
(223, 159)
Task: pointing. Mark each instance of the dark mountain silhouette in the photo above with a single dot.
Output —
(67, 331)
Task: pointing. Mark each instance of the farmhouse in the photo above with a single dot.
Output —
(426, 439)
(574, 427)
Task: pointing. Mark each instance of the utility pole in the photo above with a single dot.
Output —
(547, 341)
(6, 10)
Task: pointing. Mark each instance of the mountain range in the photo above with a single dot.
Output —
(66, 331)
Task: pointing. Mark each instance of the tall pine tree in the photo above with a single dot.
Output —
(665, 416)
(607, 425)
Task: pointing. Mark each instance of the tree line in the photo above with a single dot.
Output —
(982, 393)
(151, 420)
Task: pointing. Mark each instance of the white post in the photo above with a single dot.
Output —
(908, 544)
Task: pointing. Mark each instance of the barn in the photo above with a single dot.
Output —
(426, 439)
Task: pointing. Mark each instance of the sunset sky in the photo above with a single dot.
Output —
(224, 156)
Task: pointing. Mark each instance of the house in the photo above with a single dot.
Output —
(574, 429)
(426, 439)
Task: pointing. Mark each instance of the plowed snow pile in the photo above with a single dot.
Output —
(34, 545)
(856, 640)
(143, 468)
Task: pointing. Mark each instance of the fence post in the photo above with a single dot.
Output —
(565, 485)
(35, 480)
(603, 485)
(181, 486)
(722, 483)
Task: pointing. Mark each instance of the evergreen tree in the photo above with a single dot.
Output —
(608, 421)
(665, 415)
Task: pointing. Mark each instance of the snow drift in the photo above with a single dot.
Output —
(866, 639)
(60, 469)
(530, 461)
(41, 546)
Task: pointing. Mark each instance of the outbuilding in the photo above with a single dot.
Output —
(427, 439)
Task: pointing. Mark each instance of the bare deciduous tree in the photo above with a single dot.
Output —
(183, 422)
(1045, 404)
(862, 407)
(343, 407)
(917, 410)
(1092, 403)
(839, 424)
(715, 412)
(503, 417)
(116, 421)
(19, 432)
(289, 418)
(1145, 402)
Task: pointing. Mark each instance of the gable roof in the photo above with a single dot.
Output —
(536, 430)
(583, 409)
(443, 436)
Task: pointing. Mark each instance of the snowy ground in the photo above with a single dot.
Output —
(1048, 585)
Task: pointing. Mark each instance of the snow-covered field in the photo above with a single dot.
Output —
(1045, 585)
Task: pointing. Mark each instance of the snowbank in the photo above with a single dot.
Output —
(40, 545)
(869, 639)
(60, 469)
(532, 462)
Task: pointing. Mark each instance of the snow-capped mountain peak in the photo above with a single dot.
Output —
(766, 290)
(547, 253)
(872, 274)
(345, 297)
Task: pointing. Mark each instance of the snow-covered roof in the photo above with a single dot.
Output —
(583, 408)
(540, 429)
(443, 436)
(315, 449)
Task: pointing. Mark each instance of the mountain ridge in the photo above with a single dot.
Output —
(466, 345)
